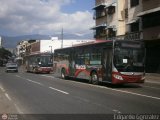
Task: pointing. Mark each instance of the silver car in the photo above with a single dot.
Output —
(11, 67)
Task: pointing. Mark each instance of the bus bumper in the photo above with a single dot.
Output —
(118, 78)
(44, 70)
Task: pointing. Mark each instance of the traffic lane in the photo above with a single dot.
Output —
(144, 89)
(38, 99)
(6, 105)
(119, 100)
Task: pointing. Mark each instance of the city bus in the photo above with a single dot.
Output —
(39, 62)
(110, 61)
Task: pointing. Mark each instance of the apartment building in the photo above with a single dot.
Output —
(109, 19)
(150, 18)
(131, 20)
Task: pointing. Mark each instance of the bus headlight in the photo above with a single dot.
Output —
(117, 77)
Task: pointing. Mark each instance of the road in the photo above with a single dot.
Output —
(46, 94)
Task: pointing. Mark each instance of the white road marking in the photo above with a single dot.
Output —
(83, 99)
(59, 90)
(34, 82)
(2, 88)
(150, 87)
(152, 82)
(8, 97)
(20, 112)
(18, 76)
(31, 80)
(48, 76)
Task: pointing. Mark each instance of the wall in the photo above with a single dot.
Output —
(121, 5)
(149, 4)
(151, 33)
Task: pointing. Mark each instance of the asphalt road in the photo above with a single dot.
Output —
(46, 94)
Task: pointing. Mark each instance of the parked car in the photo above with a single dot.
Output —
(11, 67)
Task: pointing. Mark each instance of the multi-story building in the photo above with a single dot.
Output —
(150, 18)
(109, 18)
(21, 50)
(131, 20)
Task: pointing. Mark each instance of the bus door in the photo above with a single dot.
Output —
(71, 63)
(107, 64)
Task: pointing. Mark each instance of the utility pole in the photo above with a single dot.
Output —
(0, 42)
(51, 48)
(62, 38)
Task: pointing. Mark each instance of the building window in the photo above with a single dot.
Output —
(100, 13)
(111, 33)
(134, 3)
(101, 32)
(134, 27)
(111, 10)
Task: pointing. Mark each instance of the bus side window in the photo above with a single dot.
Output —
(87, 58)
(79, 59)
(38, 59)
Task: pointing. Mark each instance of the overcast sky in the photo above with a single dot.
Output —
(24, 17)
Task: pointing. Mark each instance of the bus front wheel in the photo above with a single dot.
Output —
(94, 78)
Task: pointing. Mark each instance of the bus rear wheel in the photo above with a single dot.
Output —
(94, 78)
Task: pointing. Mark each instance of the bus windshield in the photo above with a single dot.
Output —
(45, 61)
(129, 59)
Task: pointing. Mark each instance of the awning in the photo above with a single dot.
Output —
(132, 21)
(102, 5)
(98, 26)
(148, 11)
(112, 26)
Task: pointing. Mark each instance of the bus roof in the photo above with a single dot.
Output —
(87, 43)
(92, 42)
(38, 53)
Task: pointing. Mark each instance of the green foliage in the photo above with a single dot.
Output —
(5, 54)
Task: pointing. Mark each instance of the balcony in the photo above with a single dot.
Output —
(99, 14)
(100, 34)
(101, 26)
(134, 36)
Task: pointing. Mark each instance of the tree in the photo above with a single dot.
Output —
(5, 54)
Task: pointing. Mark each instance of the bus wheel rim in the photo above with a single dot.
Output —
(94, 78)
(63, 74)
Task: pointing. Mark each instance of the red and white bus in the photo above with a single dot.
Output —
(115, 62)
(39, 62)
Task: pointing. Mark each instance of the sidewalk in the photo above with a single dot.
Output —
(153, 78)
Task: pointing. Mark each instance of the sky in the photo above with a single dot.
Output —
(46, 17)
